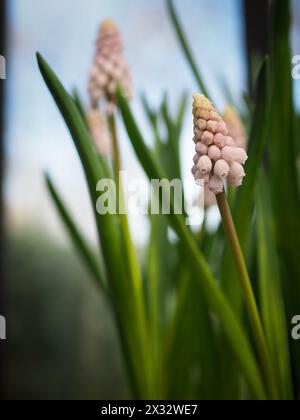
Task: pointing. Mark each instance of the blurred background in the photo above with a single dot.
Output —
(61, 342)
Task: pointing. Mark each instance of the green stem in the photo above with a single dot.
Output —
(251, 304)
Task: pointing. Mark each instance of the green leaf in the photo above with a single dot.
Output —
(192, 340)
(284, 135)
(185, 47)
(129, 322)
(172, 152)
(271, 293)
(82, 247)
(243, 207)
(244, 198)
(79, 104)
(94, 170)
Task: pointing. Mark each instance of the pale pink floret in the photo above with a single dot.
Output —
(204, 114)
(201, 148)
(214, 153)
(222, 128)
(198, 133)
(220, 140)
(196, 158)
(216, 184)
(212, 126)
(202, 178)
(201, 124)
(237, 154)
(207, 138)
(194, 170)
(209, 197)
(230, 141)
(204, 165)
(236, 174)
(214, 116)
(228, 153)
(241, 156)
(221, 168)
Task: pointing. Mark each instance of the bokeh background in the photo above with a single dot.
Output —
(61, 341)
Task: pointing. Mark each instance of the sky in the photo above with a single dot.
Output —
(64, 32)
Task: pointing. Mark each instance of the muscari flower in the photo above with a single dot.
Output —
(218, 158)
(109, 68)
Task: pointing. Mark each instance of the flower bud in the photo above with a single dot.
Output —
(214, 153)
(221, 169)
(216, 185)
(236, 174)
(196, 158)
(212, 126)
(222, 128)
(204, 165)
(204, 178)
(201, 149)
(201, 124)
(220, 140)
(207, 138)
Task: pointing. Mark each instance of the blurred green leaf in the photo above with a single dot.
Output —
(244, 197)
(93, 167)
(271, 293)
(130, 323)
(243, 206)
(79, 105)
(284, 135)
(84, 250)
(192, 340)
(185, 47)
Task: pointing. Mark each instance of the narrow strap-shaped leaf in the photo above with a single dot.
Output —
(81, 245)
(93, 168)
(244, 197)
(181, 114)
(172, 141)
(243, 206)
(109, 237)
(79, 104)
(284, 134)
(271, 292)
(185, 47)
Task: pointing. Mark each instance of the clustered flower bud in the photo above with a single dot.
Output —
(99, 131)
(218, 159)
(236, 127)
(109, 67)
